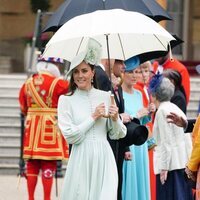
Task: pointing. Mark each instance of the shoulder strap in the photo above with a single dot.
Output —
(38, 100)
(51, 90)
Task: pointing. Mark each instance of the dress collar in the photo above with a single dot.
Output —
(85, 92)
(164, 104)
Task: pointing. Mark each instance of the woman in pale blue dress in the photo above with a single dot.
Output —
(136, 183)
(91, 172)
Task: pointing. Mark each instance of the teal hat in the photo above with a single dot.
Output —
(132, 63)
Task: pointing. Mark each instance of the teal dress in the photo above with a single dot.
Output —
(136, 178)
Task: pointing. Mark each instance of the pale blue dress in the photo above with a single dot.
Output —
(136, 178)
(91, 172)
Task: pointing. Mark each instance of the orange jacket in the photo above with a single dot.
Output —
(194, 161)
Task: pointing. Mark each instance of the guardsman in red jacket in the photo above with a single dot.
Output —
(43, 143)
(166, 62)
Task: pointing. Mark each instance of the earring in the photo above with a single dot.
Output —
(92, 80)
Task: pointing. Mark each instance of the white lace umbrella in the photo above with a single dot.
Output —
(123, 34)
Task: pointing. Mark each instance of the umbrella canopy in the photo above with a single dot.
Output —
(176, 42)
(122, 34)
(71, 8)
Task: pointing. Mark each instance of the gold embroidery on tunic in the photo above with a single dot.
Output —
(43, 92)
(38, 80)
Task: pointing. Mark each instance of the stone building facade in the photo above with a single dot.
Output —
(17, 25)
(17, 22)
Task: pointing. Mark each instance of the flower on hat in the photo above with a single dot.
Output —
(93, 54)
(155, 83)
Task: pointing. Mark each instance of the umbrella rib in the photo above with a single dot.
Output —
(121, 46)
(79, 46)
(160, 41)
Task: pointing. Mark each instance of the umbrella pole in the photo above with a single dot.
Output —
(104, 6)
(107, 43)
(112, 94)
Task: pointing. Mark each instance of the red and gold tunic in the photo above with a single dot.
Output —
(38, 101)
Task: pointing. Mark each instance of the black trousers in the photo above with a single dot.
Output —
(119, 148)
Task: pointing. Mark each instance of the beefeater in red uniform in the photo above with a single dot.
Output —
(43, 142)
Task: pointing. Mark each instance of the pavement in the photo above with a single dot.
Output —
(11, 188)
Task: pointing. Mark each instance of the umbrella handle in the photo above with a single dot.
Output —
(106, 116)
(112, 98)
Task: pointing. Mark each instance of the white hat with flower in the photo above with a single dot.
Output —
(92, 55)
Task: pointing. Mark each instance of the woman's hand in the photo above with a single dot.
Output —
(142, 112)
(191, 174)
(163, 176)
(125, 117)
(99, 111)
(152, 108)
(128, 155)
(113, 112)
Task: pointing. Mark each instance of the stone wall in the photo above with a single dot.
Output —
(16, 25)
(196, 30)
(17, 19)
(13, 50)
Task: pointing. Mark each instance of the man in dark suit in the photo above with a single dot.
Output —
(104, 83)
(102, 79)
(119, 147)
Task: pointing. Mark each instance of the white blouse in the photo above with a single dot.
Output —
(173, 145)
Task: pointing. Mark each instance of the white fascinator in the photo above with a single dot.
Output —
(92, 55)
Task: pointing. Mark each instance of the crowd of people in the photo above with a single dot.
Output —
(124, 123)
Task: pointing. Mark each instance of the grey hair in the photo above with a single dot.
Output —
(165, 90)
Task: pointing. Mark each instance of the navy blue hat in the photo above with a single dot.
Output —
(132, 63)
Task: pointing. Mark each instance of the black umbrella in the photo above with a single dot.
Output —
(156, 54)
(176, 42)
(71, 8)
